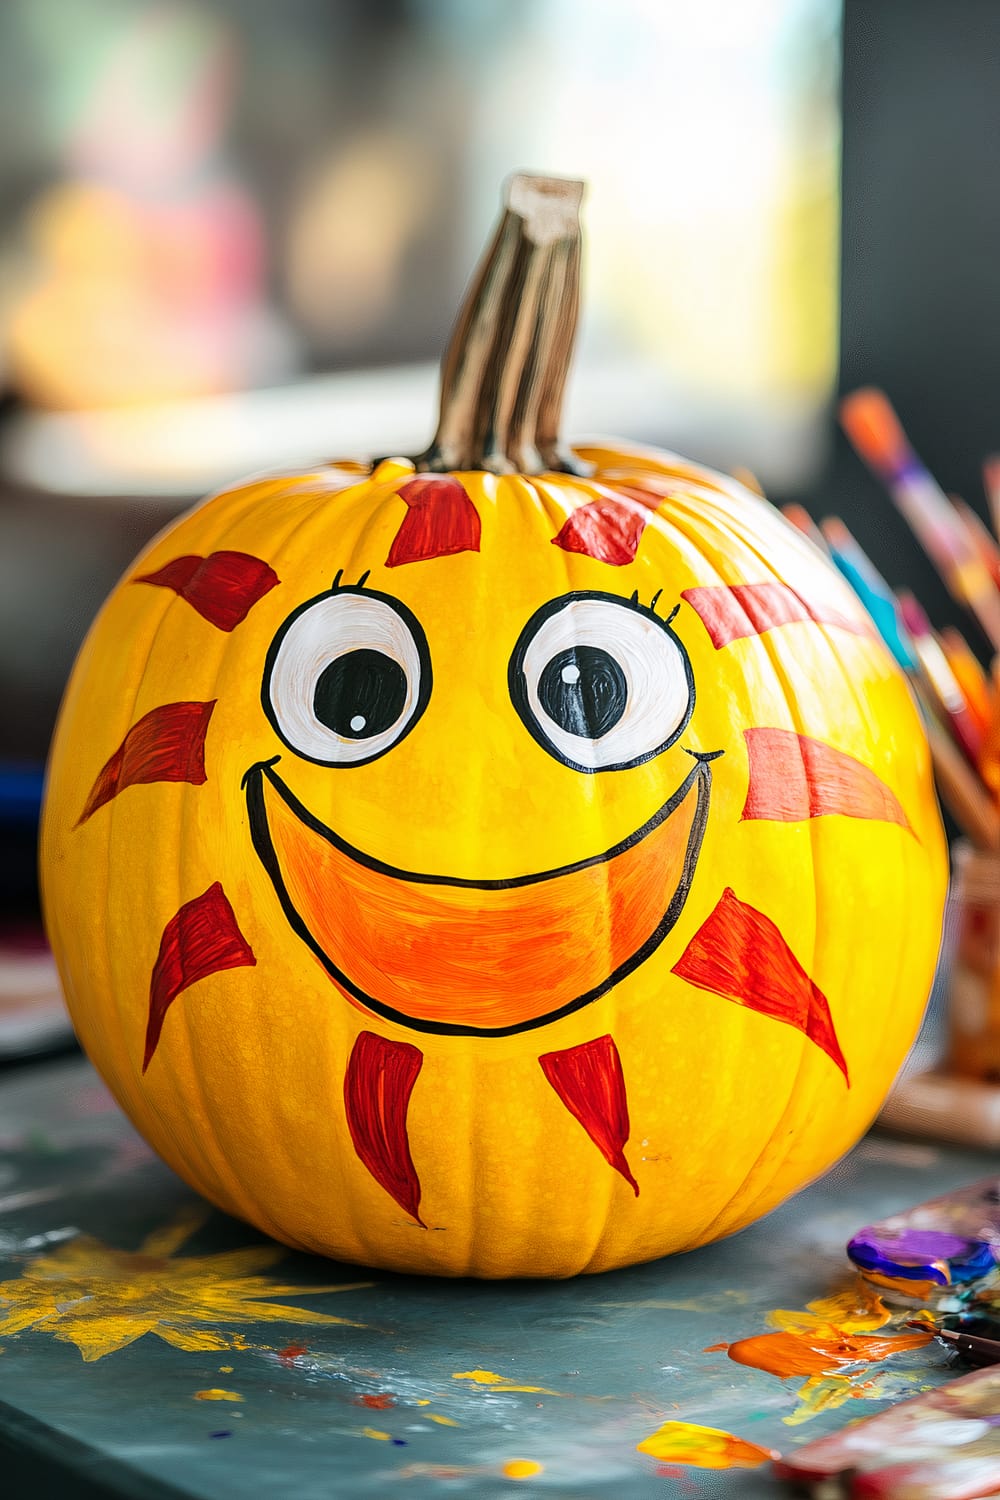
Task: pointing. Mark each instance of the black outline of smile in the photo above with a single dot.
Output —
(260, 833)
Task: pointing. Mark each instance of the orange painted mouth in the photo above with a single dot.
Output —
(477, 957)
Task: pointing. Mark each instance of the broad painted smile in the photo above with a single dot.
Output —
(465, 957)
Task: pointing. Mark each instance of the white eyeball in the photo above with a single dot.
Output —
(601, 682)
(347, 676)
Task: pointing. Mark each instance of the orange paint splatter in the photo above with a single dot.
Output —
(918, 1290)
(810, 1353)
(217, 1395)
(381, 1401)
(703, 1447)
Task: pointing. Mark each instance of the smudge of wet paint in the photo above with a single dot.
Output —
(813, 1353)
(856, 1309)
(711, 1303)
(439, 1471)
(215, 1394)
(220, 1434)
(380, 1401)
(102, 1299)
(919, 1291)
(703, 1447)
(293, 1351)
(487, 1377)
(522, 1468)
(683, 1482)
(822, 1393)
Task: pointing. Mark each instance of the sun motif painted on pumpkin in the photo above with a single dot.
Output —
(603, 683)
(102, 1299)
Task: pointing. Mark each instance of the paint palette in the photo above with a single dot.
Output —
(942, 1445)
(936, 1253)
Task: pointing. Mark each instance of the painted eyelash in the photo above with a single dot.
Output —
(634, 602)
(359, 585)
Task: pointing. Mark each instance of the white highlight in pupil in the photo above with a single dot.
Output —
(570, 673)
(358, 723)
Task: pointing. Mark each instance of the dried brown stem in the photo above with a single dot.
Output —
(505, 368)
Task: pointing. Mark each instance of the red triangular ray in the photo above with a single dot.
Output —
(740, 954)
(203, 938)
(730, 612)
(377, 1088)
(608, 530)
(223, 587)
(590, 1082)
(440, 520)
(794, 777)
(167, 744)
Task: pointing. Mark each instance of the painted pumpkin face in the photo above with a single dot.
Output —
(473, 873)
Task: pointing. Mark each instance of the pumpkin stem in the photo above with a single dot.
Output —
(505, 367)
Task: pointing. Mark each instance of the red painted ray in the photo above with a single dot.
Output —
(590, 1082)
(167, 744)
(793, 777)
(739, 953)
(440, 520)
(731, 612)
(223, 587)
(377, 1088)
(608, 529)
(202, 939)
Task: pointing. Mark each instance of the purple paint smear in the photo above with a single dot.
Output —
(911, 1255)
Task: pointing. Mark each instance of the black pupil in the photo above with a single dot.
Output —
(583, 690)
(360, 694)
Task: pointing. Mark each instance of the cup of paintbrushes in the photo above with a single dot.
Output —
(974, 983)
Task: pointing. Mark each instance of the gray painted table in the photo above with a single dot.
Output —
(208, 1374)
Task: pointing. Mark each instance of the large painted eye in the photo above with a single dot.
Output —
(347, 676)
(602, 683)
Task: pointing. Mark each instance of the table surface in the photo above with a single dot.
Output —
(105, 1254)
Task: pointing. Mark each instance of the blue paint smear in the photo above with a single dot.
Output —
(910, 1255)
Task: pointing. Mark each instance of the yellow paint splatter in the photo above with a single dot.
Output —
(225, 1369)
(703, 1447)
(215, 1394)
(442, 1421)
(101, 1299)
(377, 1434)
(522, 1468)
(487, 1377)
(425, 1402)
(856, 1309)
(821, 1393)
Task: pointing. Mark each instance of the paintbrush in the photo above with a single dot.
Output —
(991, 484)
(939, 679)
(981, 537)
(969, 675)
(877, 436)
(961, 789)
(989, 756)
(800, 518)
(873, 591)
(971, 1346)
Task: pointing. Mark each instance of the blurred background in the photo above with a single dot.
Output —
(233, 234)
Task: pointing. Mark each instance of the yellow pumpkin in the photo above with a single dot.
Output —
(513, 861)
